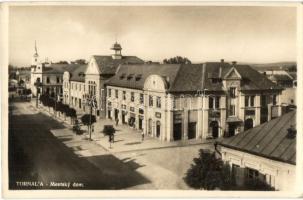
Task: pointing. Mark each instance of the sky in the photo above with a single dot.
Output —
(201, 33)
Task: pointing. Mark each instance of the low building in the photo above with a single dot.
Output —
(191, 101)
(266, 152)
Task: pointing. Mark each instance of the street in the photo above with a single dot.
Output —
(70, 162)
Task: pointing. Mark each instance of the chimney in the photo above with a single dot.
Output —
(222, 60)
(220, 69)
(234, 63)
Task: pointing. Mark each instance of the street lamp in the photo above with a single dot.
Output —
(90, 100)
(37, 85)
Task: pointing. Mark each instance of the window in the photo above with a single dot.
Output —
(249, 101)
(252, 101)
(151, 100)
(232, 110)
(214, 102)
(132, 96)
(80, 87)
(109, 92)
(251, 174)
(58, 79)
(117, 94)
(124, 95)
(217, 104)
(47, 80)
(232, 92)
(141, 98)
(158, 102)
(246, 101)
(75, 86)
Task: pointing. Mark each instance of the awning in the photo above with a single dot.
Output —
(233, 119)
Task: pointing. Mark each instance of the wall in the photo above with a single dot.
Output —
(276, 172)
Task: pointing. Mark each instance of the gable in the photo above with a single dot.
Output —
(92, 67)
(232, 74)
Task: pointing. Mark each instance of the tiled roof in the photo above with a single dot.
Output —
(126, 75)
(108, 65)
(78, 73)
(192, 77)
(59, 68)
(267, 140)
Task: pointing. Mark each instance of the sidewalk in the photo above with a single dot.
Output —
(126, 138)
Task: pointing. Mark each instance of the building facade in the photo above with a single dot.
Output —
(266, 153)
(92, 78)
(174, 102)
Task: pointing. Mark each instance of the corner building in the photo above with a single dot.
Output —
(191, 101)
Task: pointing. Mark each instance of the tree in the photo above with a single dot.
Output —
(62, 62)
(21, 82)
(109, 130)
(177, 60)
(88, 120)
(72, 114)
(65, 109)
(59, 107)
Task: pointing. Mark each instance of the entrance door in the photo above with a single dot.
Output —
(192, 130)
(158, 129)
(215, 129)
(231, 129)
(116, 114)
(140, 123)
(178, 131)
(248, 124)
(109, 114)
(123, 118)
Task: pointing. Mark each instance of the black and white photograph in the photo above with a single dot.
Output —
(130, 97)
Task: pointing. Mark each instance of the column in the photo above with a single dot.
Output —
(200, 120)
(185, 124)
(222, 115)
(241, 107)
(205, 118)
(258, 111)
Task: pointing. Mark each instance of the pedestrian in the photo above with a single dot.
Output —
(117, 121)
(142, 134)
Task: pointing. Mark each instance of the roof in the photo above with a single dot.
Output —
(59, 68)
(126, 75)
(78, 73)
(191, 77)
(108, 65)
(267, 140)
(280, 77)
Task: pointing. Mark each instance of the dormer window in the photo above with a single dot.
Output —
(138, 77)
(130, 76)
(122, 76)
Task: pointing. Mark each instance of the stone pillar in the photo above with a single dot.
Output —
(205, 118)
(169, 125)
(279, 104)
(185, 124)
(269, 112)
(257, 110)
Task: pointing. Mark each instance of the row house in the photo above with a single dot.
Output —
(74, 87)
(191, 101)
(89, 80)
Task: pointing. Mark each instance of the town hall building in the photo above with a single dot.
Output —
(191, 101)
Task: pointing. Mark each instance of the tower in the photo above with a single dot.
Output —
(117, 48)
(35, 57)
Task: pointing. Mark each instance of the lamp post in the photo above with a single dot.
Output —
(90, 100)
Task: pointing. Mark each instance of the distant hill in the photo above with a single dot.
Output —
(288, 66)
